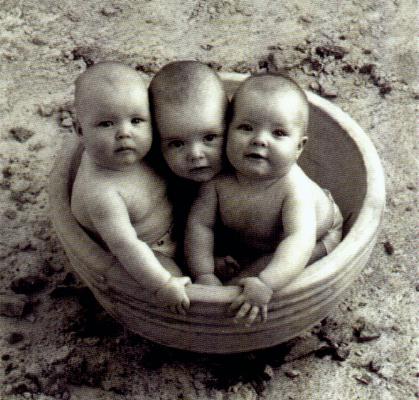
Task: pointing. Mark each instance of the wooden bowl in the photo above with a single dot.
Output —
(339, 156)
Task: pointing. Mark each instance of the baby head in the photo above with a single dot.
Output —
(113, 116)
(267, 132)
(189, 109)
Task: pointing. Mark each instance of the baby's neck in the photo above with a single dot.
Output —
(118, 170)
(256, 182)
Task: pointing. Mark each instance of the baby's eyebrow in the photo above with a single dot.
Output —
(105, 117)
(210, 132)
(99, 120)
(169, 139)
(247, 121)
(277, 125)
(140, 113)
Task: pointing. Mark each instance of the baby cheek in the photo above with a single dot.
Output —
(218, 156)
(167, 155)
(172, 157)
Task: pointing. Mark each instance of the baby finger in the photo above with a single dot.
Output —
(186, 303)
(244, 309)
(185, 280)
(264, 313)
(180, 309)
(254, 311)
(237, 302)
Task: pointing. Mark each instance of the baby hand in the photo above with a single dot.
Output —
(173, 294)
(208, 279)
(252, 301)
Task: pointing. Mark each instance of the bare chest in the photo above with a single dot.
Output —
(251, 213)
(144, 195)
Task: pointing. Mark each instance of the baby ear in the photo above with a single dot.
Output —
(302, 144)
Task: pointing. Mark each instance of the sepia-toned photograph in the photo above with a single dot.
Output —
(208, 200)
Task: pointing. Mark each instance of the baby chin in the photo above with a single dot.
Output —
(201, 174)
(256, 166)
(126, 155)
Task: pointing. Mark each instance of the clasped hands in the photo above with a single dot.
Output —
(252, 301)
(173, 294)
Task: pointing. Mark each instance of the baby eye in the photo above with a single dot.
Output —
(209, 137)
(176, 144)
(245, 127)
(279, 133)
(105, 124)
(136, 120)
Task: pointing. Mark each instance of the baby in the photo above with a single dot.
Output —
(116, 194)
(189, 107)
(189, 110)
(272, 209)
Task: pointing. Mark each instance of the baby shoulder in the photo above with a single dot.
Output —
(93, 192)
(312, 194)
(300, 187)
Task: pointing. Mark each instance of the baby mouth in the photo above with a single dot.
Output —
(255, 156)
(124, 148)
(198, 169)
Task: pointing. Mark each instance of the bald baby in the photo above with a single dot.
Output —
(116, 194)
(268, 86)
(104, 76)
(278, 219)
(189, 107)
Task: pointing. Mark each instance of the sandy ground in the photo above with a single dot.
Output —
(57, 343)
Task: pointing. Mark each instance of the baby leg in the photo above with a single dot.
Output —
(257, 266)
(318, 252)
(330, 240)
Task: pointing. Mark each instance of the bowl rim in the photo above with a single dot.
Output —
(322, 272)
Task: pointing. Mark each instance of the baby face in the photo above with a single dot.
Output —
(266, 135)
(192, 136)
(115, 123)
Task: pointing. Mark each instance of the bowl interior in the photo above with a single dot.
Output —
(332, 159)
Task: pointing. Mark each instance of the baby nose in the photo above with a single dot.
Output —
(260, 139)
(123, 131)
(195, 152)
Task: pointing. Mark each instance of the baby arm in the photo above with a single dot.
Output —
(199, 236)
(288, 261)
(294, 251)
(110, 218)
